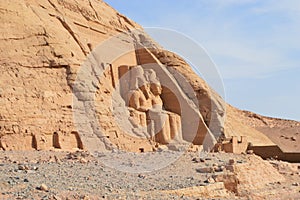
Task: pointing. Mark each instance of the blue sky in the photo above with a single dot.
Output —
(255, 45)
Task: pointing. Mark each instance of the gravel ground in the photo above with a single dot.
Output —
(80, 175)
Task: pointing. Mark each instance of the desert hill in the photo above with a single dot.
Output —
(284, 133)
(45, 44)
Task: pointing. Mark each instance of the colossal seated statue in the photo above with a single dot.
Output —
(139, 102)
(172, 120)
(146, 107)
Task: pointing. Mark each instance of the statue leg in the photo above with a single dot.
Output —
(143, 121)
(175, 126)
(161, 127)
(138, 118)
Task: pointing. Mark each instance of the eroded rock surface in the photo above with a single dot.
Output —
(43, 44)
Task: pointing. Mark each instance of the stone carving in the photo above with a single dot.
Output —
(138, 97)
(233, 145)
(146, 107)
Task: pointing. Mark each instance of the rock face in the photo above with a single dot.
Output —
(48, 98)
(249, 176)
(43, 43)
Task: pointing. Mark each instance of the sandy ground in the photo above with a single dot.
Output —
(80, 175)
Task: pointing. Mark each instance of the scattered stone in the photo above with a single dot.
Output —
(22, 167)
(215, 167)
(43, 187)
(141, 176)
(293, 138)
(210, 180)
(27, 168)
(57, 197)
(85, 197)
(83, 160)
(231, 162)
(250, 152)
(296, 184)
(219, 168)
(198, 160)
(205, 170)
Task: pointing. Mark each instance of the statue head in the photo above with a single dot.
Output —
(137, 71)
(137, 78)
(156, 88)
(143, 85)
(151, 76)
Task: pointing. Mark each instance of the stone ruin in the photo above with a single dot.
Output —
(234, 145)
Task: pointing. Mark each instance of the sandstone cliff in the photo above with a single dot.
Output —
(43, 47)
(43, 44)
